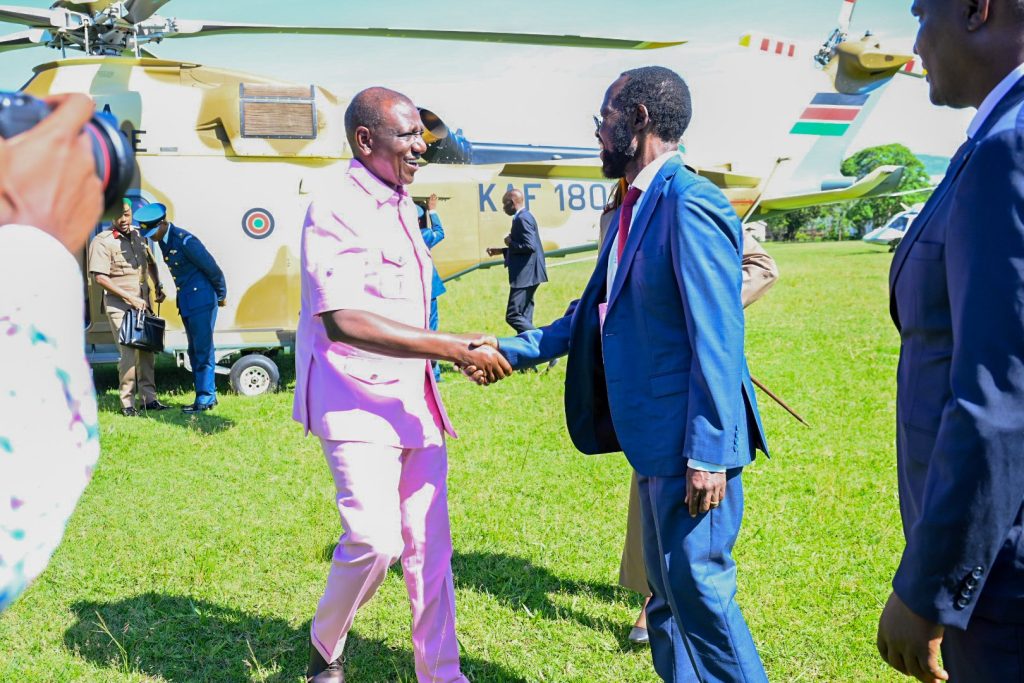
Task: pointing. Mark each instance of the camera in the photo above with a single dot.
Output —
(111, 151)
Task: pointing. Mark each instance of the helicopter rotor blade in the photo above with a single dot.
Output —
(84, 7)
(22, 39)
(27, 16)
(846, 14)
(140, 10)
(186, 28)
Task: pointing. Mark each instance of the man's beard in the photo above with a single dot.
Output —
(615, 160)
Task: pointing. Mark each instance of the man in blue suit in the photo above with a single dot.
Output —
(524, 258)
(957, 298)
(201, 290)
(656, 369)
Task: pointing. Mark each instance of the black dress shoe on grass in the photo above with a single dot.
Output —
(156, 405)
(198, 407)
(320, 670)
(129, 412)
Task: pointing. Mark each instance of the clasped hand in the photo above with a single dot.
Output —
(482, 362)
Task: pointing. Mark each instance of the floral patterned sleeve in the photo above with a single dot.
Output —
(49, 434)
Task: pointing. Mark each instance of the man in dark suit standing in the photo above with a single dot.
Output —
(524, 258)
(956, 296)
(656, 369)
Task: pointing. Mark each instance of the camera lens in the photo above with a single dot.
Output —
(111, 151)
(112, 154)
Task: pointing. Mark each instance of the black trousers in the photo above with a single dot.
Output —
(519, 314)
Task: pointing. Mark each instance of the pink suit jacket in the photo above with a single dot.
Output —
(362, 250)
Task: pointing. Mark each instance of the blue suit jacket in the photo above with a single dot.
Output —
(957, 298)
(432, 234)
(524, 256)
(197, 277)
(666, 380)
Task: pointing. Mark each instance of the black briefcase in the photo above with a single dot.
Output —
(142, 330)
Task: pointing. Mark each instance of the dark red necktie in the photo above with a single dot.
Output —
(626, 216)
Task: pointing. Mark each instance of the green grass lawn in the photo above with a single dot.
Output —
(201, 547)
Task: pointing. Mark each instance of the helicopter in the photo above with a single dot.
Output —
(237, 158)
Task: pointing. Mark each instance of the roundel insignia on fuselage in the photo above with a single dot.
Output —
(258, 223)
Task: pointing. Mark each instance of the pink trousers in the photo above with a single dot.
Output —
(393, 504)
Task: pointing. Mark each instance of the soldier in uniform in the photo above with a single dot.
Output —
(119, 260)
(201, 290)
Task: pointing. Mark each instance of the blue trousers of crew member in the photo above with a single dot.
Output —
(696, 630)
(199, 331)
(433, 326)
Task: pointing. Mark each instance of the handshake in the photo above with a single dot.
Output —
(481, 361)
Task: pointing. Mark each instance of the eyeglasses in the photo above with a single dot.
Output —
(598, 123)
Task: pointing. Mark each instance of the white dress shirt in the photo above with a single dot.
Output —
(993, 99)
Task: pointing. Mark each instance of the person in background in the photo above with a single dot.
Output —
(50, 200)
(119, 260)
(201, 291)
(524, 258)
(432, 232)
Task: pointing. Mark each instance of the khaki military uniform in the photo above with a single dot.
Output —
(125, 259)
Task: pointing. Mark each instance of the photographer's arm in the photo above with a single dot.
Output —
(48, 177)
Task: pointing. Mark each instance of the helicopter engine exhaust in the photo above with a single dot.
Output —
(444, 146)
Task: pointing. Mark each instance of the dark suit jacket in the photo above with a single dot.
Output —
(524, 256)
(957, 298)
(197, 277)
(666, 379)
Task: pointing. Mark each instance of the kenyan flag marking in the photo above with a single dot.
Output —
(829, 114)
(258, 223)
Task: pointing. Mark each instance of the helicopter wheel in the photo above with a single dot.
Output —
(254, 374)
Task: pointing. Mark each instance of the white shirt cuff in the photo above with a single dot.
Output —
(705, 466)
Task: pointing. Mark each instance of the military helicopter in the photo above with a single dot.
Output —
(263, 147)
(846, 78)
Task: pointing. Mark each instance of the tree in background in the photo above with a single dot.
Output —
(875, 212)
(834, 222)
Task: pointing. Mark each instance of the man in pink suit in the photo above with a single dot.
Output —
(364, 386)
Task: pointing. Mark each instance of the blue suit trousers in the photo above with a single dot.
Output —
(696, 629)
(199, 331)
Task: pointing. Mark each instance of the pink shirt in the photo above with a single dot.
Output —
(362, 250)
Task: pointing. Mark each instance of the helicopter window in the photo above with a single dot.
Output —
(899, 223)
(277, 111)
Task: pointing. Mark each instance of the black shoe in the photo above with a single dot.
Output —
(553, 363)
(155, 404)
(129, 412)
(320, 671)
(199, 407)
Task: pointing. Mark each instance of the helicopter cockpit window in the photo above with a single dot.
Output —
(277, 111)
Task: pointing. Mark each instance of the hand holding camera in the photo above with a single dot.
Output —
(61, 163)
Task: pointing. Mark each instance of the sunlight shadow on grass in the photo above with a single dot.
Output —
(520, 584)
(179, 639)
